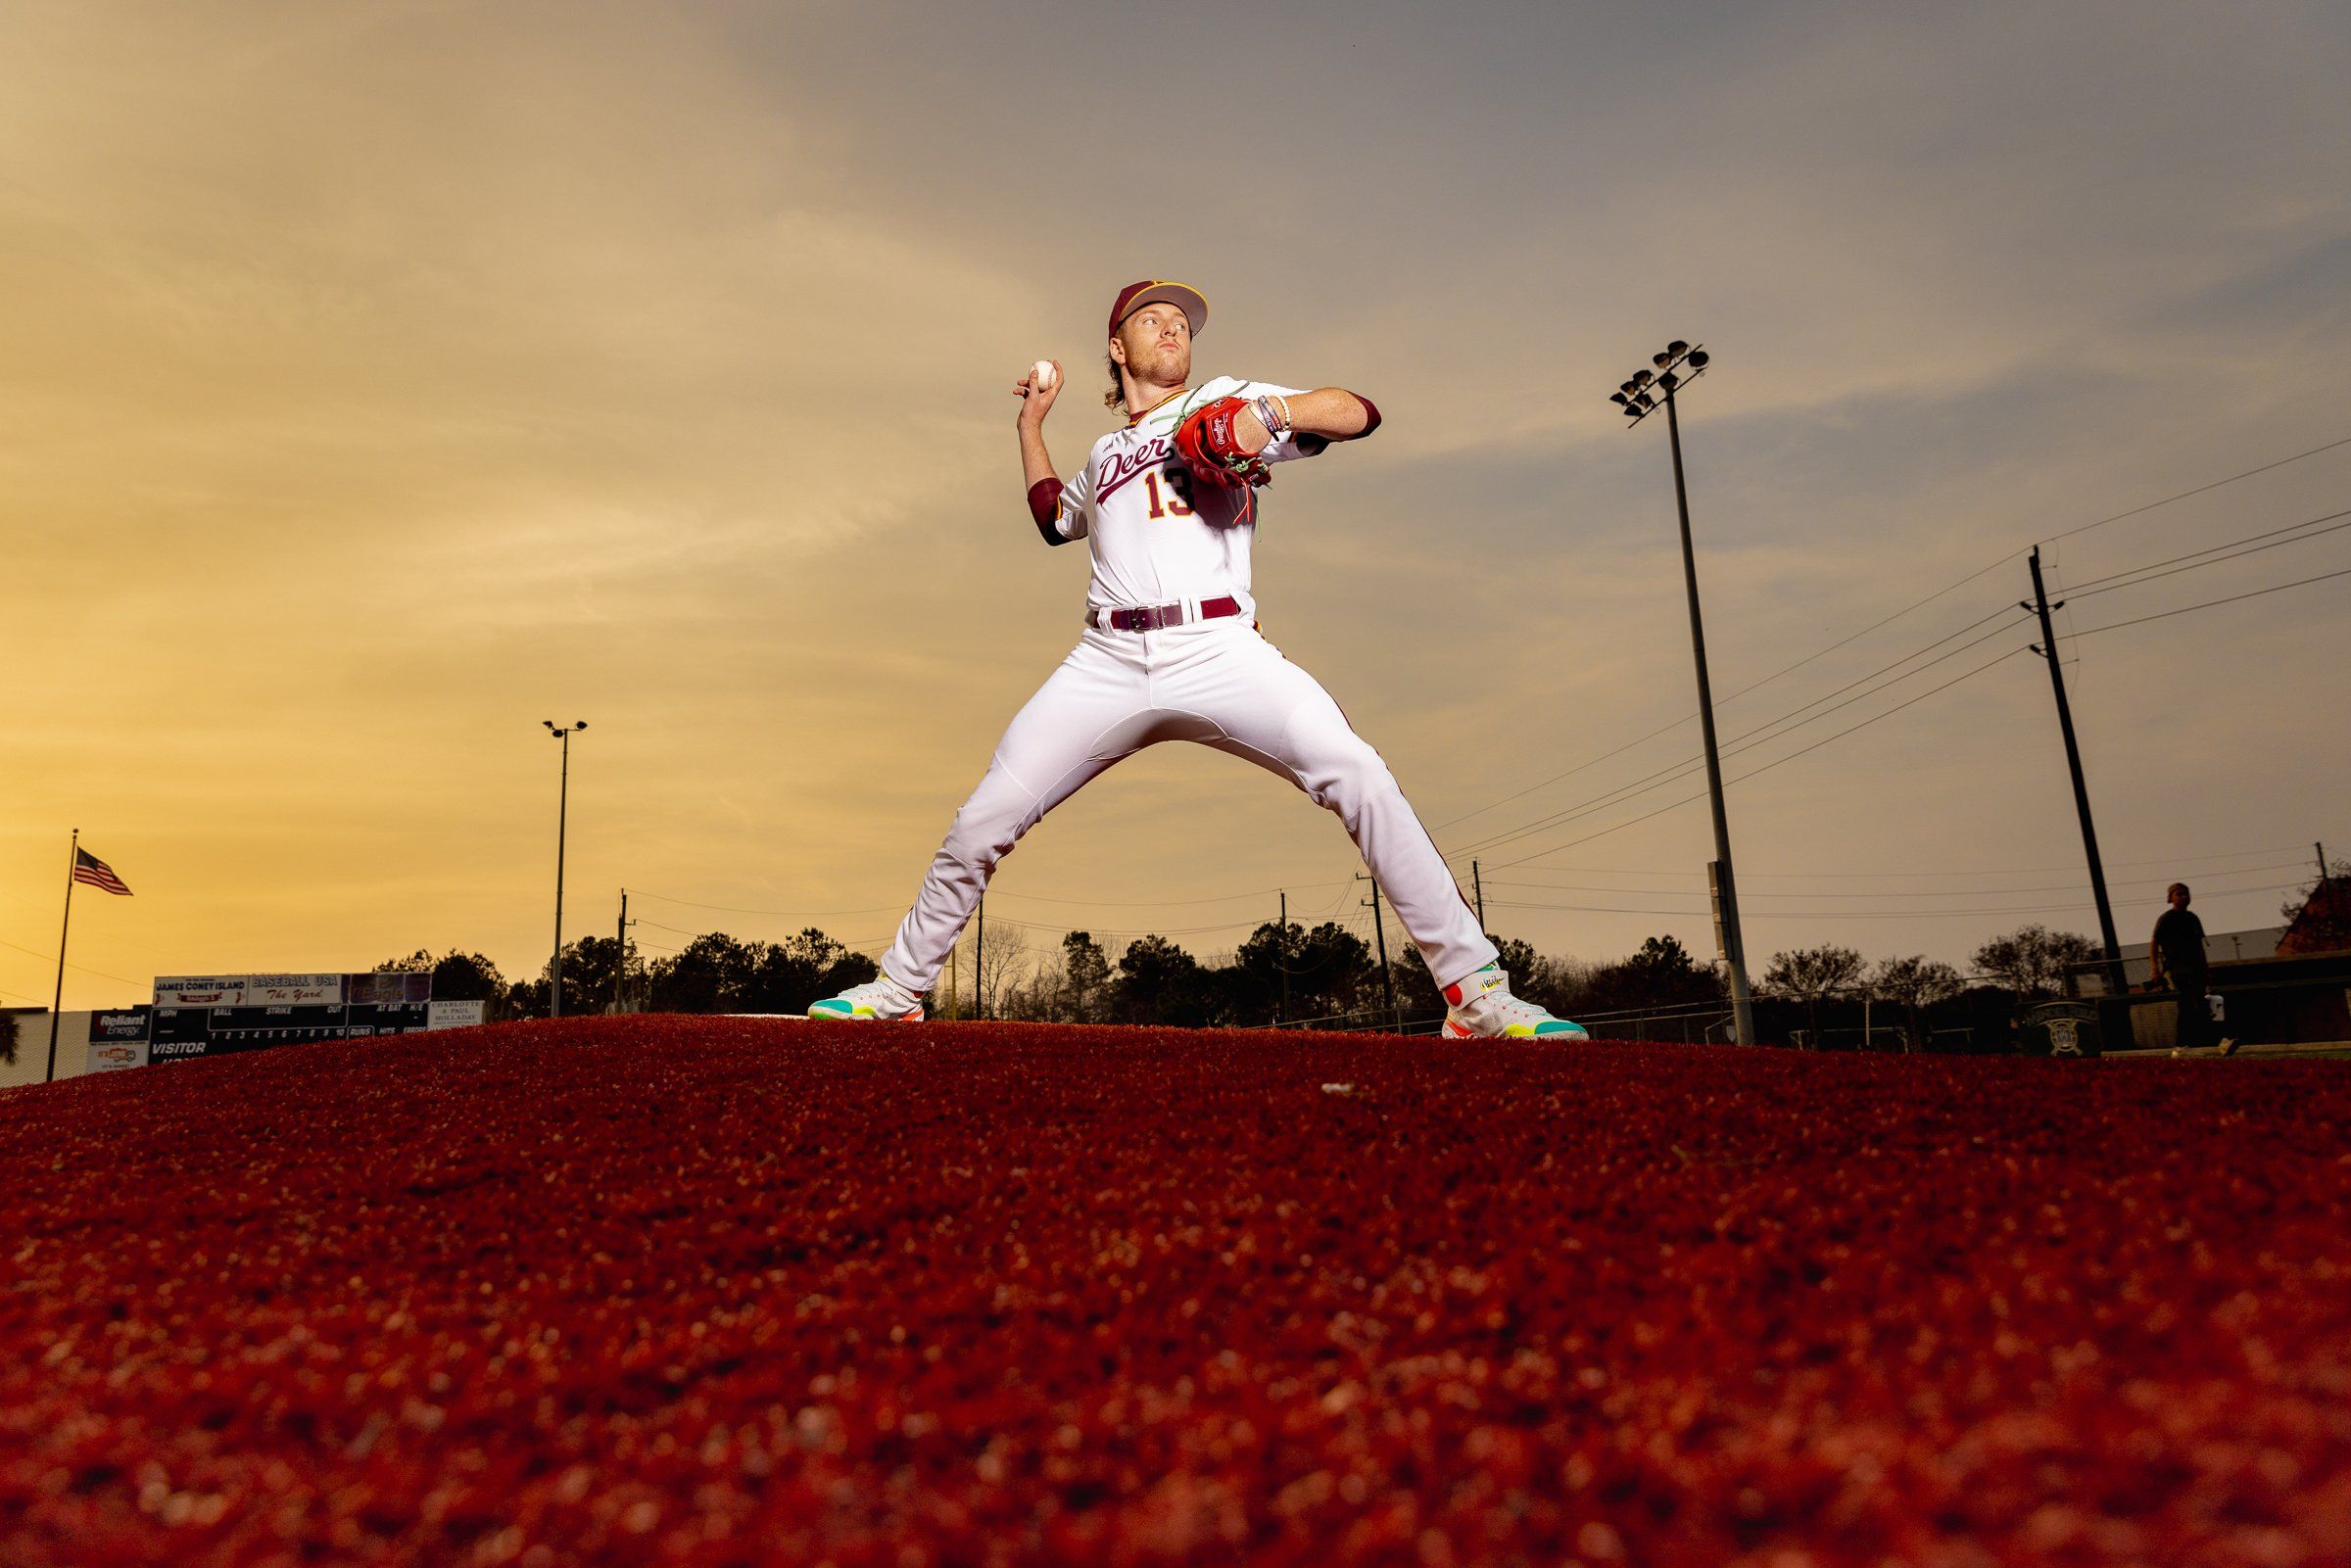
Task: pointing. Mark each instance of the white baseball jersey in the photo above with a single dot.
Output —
(1157, 535)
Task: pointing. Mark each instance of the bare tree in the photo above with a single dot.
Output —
(1040, 993)
(1917, 982)
(2031, 960)
(2318, 915)
(988, 978)
(1812, 973)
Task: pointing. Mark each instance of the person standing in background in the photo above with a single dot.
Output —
(2177, 955)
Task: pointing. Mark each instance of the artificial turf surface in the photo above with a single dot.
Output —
(711, 1290)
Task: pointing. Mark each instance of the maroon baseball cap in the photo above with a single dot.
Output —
(1159, 290)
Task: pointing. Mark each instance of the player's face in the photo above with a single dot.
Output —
(1158, 343)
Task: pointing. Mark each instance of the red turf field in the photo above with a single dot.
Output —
(710, 1290)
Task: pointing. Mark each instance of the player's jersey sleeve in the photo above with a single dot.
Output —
(1291, 444)
(1077, 502)
(1061, 509)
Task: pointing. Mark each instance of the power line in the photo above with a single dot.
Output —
(1741, 691)
(678, 930)
(789, 914)
(1745, 741)
(1888, 620)
(1768, 766)
(1251, 923)
(1989, 871)
(1750, 739)
(2152, 576)
(2198, 491)
(1874, 625)
(1880, 892)
(1158, 903)
(2232, 599)
(1571, 773)
(993, 892)
(51, 958)
(1030, 926)
(2084, 589)
(1826, 914)
(1758, 735)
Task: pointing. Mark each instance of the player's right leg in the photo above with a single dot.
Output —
(1087, 715)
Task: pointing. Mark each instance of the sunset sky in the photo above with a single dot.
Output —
(382, 379)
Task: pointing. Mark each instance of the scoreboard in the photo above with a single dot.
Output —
(219, 1014)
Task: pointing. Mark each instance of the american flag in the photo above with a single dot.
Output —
(88, 868)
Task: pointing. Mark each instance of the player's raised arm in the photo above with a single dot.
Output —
(1037, 391)
(1316, 418)
(1233, 441)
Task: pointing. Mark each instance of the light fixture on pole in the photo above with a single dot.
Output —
(554, 985)
(1671, 368)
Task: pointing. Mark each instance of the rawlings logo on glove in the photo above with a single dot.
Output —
(1211, 448)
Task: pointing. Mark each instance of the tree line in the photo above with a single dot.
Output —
(1295, 974)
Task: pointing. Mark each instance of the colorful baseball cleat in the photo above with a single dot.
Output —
(1482, 1007)
(882, 999)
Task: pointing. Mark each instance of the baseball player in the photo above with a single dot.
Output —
(1170, 651)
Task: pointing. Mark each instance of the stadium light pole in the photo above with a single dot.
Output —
(1638, 397)
(554, 984)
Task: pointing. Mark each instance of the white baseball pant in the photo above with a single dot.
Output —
(1218, 682)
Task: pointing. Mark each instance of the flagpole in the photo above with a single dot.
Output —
(73, 859)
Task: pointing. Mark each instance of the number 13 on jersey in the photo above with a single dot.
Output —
(1179, 498)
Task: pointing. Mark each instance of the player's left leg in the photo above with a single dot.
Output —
(1274, 714)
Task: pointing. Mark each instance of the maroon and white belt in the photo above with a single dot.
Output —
(1158, 617)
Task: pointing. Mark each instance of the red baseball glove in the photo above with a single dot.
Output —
(1212, 450)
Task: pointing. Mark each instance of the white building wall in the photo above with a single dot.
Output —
(32, 1048)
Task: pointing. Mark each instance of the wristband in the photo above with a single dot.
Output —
(1273, 412)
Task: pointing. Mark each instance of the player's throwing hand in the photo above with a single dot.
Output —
(1038, 389)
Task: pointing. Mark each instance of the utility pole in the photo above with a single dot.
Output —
(980, 966)
(2046, 648)
(555, 979)
(1480, 885)
(2322, 852)
(954, 1006)
(1636, 399)
(1282, 953)
(1380, 931)
(57, 1003)
(620, 951)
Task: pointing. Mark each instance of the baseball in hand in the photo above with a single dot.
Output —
(1042, 375)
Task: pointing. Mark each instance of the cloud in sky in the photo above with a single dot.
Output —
(385, 378)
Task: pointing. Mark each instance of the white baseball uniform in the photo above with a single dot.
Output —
(1158, 542)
